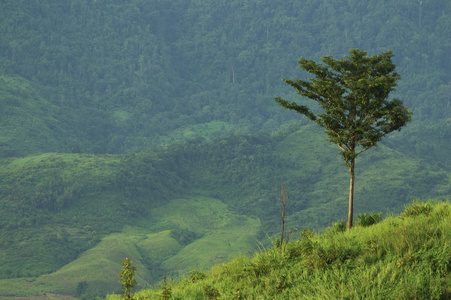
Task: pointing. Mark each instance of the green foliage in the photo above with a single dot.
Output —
(417, 208)
(196, 275)
(81, 288)
(223, 190)
(106, 69)
(127, 278)
(166, 293)
(353, 95)
(29, 122)
(397, 258)
(85, 77)
(339, 226)
(183, 235)
(211, 293)
(368, 220)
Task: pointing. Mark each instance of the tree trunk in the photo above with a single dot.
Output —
(351, 194)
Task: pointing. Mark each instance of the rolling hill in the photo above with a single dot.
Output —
(191, 205)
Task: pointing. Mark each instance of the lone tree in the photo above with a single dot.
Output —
(352, 94)
(127, 277)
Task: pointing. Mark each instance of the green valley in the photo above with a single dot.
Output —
(189, 206)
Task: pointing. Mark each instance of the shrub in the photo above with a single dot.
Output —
(211, 292)
(339, 226)
(368, 220)
(166, 294)
(416, 208)
(81, 288)
(196, 275)
(183, 235)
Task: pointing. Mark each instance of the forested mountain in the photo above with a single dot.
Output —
(124, 76)
(119, 117)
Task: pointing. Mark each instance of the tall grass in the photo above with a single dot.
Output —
(402, 257)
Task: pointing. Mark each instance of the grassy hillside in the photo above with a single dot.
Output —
(58, 205)
(403, 257)
(184, 234)
(192, 205)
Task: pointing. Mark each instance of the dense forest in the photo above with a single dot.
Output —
(160, 69)
(114, 114)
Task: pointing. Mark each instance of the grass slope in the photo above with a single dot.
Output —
(165, 246)
(402, 257)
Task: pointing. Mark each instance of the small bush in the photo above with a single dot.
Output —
(293, 250)
(166, 294)
(211, 292)
(339, 226)
(368, 220)
(183, 235)
(196, 275)
(81, 288)
(416, 208)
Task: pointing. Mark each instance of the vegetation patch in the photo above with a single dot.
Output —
(183, 240)
(402, 257)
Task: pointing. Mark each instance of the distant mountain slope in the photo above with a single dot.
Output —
(57, 206)
(128, 75)
(28, 121)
